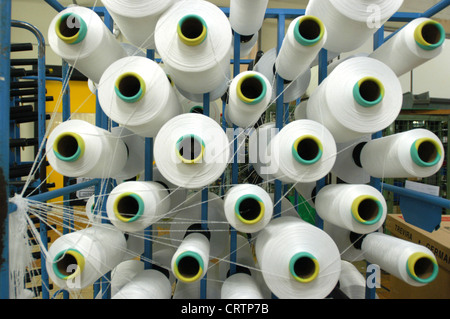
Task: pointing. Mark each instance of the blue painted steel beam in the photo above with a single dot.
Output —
(438, 7)
(148, 244)
(279, 116)
(430, 199)
(323, 73)
(55, 5)
(5, 49)
(43, 197)
(235, 166)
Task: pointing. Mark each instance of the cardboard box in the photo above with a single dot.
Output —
(439, 243)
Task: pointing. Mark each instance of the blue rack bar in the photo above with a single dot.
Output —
(68, 220)
(235, 165)
(5, 45)
(55, 5)
(148, 245)
(438, 7)
(430, 199)
(279, 120)
(43, 197)
(323, 73)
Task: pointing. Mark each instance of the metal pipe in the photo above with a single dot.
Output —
(279, 120)
(5, 43)
(430, 199)
(43, 197)
(55, 5)
(438, 7)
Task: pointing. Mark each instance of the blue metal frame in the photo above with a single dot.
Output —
(5, 46)
(280, 14)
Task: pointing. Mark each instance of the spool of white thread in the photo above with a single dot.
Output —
(190, 261)
(356, 207)
(348, 165)
(303, 151)
(414, 153)
(123, 273)
(303, 41)
(135, 92)
(360, 97)
(137, 19)
(76, 260)
(193, 39)
(191, 213)
(352, 282)
(240, 286)
(76, 148)
(351, 23)
(248, 208)
(135, 145)
(419, 41)
(133, 206)
(79, 36)
(191, 150)
(247, 17)
(249, 96)
(297, 259)
(291, 91)
(148, 284)
(414, 264)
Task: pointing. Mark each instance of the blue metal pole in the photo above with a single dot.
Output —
(148, 246)
(55, 5)
(205, 196)
(323, 73)
(438, 7)
(68, 222)
(5, 43)
(235, 166)
(430, 199)
(279, 121)
(43, 197)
